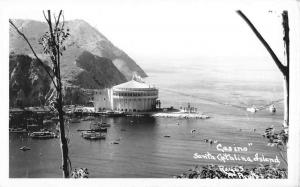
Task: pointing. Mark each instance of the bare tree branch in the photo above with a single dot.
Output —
(281, 67)
(286, 38)
(45, 17)
(57, 22)
(38, 59)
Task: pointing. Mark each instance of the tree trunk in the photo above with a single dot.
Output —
(63, 140)
(286, 101)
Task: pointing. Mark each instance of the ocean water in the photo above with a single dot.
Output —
(220, 90)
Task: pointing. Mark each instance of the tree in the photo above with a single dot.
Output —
(53, 46)
(284, 68)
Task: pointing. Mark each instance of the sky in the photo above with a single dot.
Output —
(179, 29)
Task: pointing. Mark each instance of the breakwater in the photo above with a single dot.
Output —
(181, 115)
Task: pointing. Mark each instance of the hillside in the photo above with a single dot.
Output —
(28, 82)
(83, 37)
(91, 61)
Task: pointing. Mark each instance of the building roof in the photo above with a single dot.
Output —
(133, 84)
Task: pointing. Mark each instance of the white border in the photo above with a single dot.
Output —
(293, 152)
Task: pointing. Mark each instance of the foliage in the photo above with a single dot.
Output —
(80, 173)
(236, 172)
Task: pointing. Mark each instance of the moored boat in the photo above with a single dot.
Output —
(44, 134)
(24, 148)
(104, 124)
(92, 135)
(252, 109)
(98, 129)
(100, 124)
(18, 130)
(272, 109)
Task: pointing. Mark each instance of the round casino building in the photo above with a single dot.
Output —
(131, 96)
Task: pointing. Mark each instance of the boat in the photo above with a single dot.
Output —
(100, 124)
(104, 125)
(92, 135)
(252, 109)
(24, 148)
(115, 142)
(43, 134)
(18, 130)
(48, 122)
(272, 109)
(98, 129)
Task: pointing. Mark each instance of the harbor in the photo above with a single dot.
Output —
(158, 144)
(142, 146)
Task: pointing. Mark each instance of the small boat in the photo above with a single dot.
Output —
(252, 109)
(100, 124)
(48, 122)
(115, 142)
(43, 134)
(272, 109)
(18, 130)
(24, 148)
(193, 131)
(104, 125)
(91, 135)
(167, 136)
(98, 129)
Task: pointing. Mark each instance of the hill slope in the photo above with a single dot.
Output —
(91, 61)
(28, 81)
(83, 37)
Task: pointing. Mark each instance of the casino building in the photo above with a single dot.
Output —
(131, 96)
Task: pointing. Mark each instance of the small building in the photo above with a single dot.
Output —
(131, 96)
